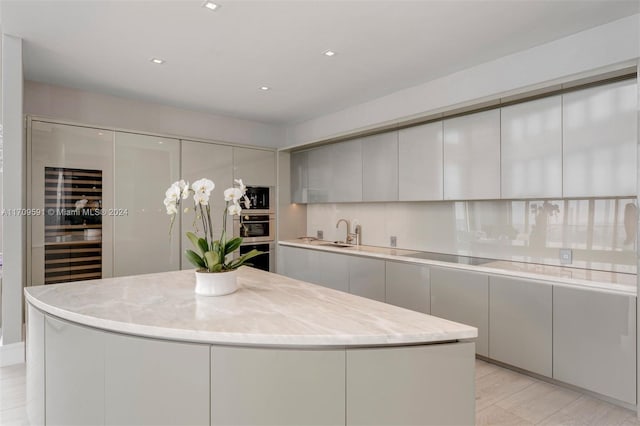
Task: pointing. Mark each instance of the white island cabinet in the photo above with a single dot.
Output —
(146, 350)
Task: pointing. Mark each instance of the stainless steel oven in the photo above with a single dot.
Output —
(255, 227)
(265, 261)
(261, 198)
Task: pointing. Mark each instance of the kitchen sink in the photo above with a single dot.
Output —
(335, 244)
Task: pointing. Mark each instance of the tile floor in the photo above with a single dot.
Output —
(503, 397)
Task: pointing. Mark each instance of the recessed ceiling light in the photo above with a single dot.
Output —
(328, 53)
(210, 5)
(265, 88)
(157, 61)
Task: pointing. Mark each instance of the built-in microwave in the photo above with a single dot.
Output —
(260, 198)
(254, 227)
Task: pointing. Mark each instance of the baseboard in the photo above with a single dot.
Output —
(12, 354)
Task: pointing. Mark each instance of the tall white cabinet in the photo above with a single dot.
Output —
(145, 166)
(254, 166)
(472, 156)
(600, 137)
(531, 153)
(211, 161)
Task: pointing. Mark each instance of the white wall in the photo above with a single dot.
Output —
(607, 47)
(13, 271)
(111, 111)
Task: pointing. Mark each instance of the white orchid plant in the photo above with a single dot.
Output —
(209, 255)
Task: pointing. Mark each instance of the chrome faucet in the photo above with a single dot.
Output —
(349, 239)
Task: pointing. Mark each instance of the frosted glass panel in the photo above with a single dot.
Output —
(532, 149)
(600, 136)
(145, 166)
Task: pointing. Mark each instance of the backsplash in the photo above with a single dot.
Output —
(601, 232)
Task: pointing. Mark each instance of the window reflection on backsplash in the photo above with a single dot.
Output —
(601, 232)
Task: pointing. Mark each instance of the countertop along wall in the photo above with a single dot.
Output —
(105, 110)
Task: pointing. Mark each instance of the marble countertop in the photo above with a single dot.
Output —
(610, 282)
(267, 310)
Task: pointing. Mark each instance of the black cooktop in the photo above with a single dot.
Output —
(450, 258)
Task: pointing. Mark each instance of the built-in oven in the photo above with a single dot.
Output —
(265, 261)
(254, 228)
(261, 199)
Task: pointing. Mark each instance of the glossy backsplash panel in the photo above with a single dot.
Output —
(601, 232)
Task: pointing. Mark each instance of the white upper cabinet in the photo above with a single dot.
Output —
(299, 177)
(532, 149)
(600, 136)
(380, 167)
(420, 163)
(211, 161)
(255, 167)
(145, 166)
(335, 173)
(472, 156)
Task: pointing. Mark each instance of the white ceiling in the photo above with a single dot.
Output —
(216, 61)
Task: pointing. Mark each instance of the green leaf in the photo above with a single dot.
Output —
(194, 240)
(212, 259)
(232, 245)
(203, 246)
(195, 260)
(242, 259)
(215, 246)
(217, 268)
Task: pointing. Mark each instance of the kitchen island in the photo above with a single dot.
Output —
(147, 350)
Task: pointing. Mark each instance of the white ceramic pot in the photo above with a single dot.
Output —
(216, 283)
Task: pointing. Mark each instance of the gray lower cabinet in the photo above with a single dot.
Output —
(146, 379)
(395, 386)
(74, 355)
(520, 321)
(295, 263)
(366, 277)
(282, 387)
(315, 266)
(463, 297)
(594, 341)
(407, 286)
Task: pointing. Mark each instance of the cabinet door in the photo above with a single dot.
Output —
(346, 171)
(153, 382)
(72, 147)
(319, 174)
(35, 361)
(472, 156)
(420, 163)
(419, 385)
(74, 374)
(600, 136)
(520, 321)
(367, 277)
(594, 341)
(335, 173)
(294, 263)
(380, 167)
(463, 297)
(254, 166)
(329, 269)
(145, 166)
(299, 177)
(407, 286)
(277, 387)
(532, 149)
(205, 160)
